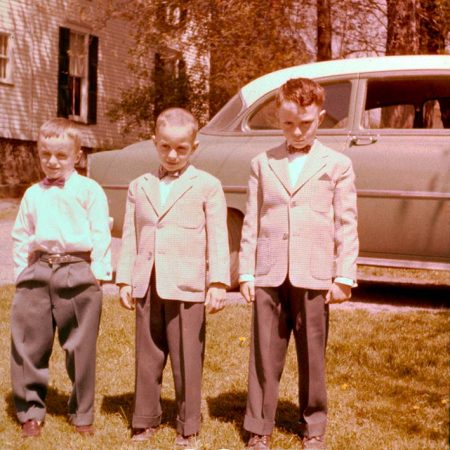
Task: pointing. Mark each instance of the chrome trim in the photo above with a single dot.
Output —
(403, 263)
(418, 195)
(365, 193)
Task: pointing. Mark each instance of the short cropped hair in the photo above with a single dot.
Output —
(60, 127)
(177, 117)
(302, 91)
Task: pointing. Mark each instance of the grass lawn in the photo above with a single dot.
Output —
(387, 381)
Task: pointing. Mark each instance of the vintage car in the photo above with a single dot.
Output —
(390, 115)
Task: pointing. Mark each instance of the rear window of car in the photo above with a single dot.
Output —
(226, 115)
(406, 103)
(337, 101)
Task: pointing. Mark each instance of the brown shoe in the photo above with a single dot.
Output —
(85, 430)
(142, 434)
(191, 442)
(259, 442)
(317, 442)
(31, 428)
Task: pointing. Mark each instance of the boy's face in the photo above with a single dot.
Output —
(58, 156)
(300, 123)
(175, 145)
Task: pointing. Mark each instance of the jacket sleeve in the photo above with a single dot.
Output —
(128, 250)
(217, 236)
(250, 226)
(345, 224)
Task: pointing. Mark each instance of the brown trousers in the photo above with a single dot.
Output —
(175, 328)
(66, 297)
(278, 312)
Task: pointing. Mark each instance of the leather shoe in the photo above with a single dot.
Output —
(85, 430)
(259, 442)
(142, 434)
(31, 428)
(316, 442)
(191, 442)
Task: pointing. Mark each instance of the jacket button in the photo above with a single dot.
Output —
(285, 236)
(149, 257)
(293, 204)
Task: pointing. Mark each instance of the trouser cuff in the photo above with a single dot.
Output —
(81, 419)
(191, 426)
(258, 426)
(145, 421)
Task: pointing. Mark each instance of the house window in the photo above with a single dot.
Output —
(5, 58)
(77, 80)
(171, 81)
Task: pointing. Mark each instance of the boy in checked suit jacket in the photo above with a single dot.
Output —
(61, 252)
(298, 254)
(174, 248)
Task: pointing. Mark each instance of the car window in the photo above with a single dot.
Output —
(405, 103)
(337, 101)
(226, 115)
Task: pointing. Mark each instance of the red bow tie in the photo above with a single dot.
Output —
(47, 182)
(292, 149)
(162, 172)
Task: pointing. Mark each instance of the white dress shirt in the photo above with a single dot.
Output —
(73, 218)
(296, 162)
(165, 186)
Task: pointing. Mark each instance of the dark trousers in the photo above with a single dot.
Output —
(177, 329)
(276, 313)
(66, 297)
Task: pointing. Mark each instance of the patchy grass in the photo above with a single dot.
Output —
(387, 381)
(9, 208)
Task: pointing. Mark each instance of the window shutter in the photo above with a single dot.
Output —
(63, 109)
(92, 79)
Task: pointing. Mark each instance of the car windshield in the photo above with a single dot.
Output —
(226, 115)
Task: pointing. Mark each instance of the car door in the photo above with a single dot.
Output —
(400, 148)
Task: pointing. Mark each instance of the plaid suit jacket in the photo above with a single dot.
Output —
(186, 240)
(307, 232)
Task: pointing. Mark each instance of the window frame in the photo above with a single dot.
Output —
(89, 81)
(8, 58)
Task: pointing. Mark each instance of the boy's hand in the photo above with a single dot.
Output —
(338, 293)
(126, 300)
(215, 298)
(247, 289)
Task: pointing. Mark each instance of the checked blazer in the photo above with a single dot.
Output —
(307, 232)
(185, 240)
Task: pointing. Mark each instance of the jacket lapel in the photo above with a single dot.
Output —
(151, 191)
(316, 159)
(183, 184)
(278, 162)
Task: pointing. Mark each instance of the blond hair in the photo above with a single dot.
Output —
(177, 117)
(60, 127)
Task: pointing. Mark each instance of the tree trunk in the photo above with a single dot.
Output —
(402, 30)
(324, 30)
(433, 26)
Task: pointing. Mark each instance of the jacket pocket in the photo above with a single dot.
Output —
(263, 257)
(322, 195)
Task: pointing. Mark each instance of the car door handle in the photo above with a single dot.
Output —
(363, 140)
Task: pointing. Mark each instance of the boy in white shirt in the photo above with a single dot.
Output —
(61, 253)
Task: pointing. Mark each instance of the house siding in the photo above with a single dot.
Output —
(31, 98)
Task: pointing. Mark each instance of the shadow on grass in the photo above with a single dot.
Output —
(230, 407)
(123, 405)
(56, 402)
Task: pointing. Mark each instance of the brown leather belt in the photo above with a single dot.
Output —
(64, 258)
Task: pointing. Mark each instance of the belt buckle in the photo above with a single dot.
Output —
(52, 259)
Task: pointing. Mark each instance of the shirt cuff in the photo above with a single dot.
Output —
(100, 272)
(246, 277)
(347, 281)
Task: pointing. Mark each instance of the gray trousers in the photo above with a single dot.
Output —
(66, 297)
(175, 328)
(276, 313)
